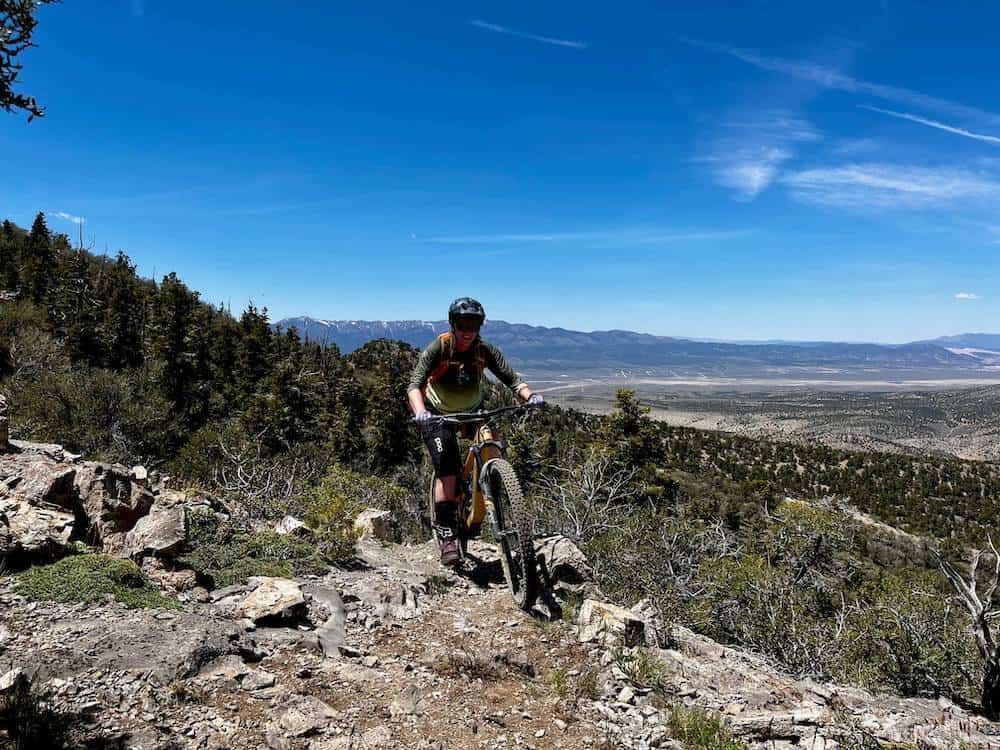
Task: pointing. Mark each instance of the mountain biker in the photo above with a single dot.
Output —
(449, 378)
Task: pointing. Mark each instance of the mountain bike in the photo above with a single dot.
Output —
(488, 488)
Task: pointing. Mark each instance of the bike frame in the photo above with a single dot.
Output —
(485, 447)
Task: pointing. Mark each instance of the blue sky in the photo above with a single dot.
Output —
(772, 170)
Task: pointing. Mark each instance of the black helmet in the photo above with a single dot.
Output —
(466, 307)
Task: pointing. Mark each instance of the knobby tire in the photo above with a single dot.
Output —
(517, 549)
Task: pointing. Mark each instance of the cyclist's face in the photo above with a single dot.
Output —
(465, 333)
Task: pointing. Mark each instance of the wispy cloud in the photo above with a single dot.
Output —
(966, 295)
(525, 35)
(857, 146)
(935, 124)
(830, 78)
(643, 236)
(883, 186)
(138, 8)
(749, 154)
(70, 217)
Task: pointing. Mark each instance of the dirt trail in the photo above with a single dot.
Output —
(420, 657)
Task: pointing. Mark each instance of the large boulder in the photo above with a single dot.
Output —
(27, 529)
(35, 478)
(111, 502)
(36, 502)
(161, 533)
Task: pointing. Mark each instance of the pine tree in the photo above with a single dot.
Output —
(170, 341)
(255, 356)
(223, 344)
(38, 263)
(77, 309)
(123, 314)
(9, 258)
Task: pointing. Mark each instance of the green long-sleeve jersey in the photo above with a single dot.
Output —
(460, 387)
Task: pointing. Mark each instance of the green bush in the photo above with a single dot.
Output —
(641, 667)
(90, 578)
(698, 730)
(331, 507)
(228, 555)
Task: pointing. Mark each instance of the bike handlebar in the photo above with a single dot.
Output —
(473, 416)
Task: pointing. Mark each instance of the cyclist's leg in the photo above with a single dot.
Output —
(442, 443)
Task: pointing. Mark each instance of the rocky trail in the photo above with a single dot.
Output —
(395, 652)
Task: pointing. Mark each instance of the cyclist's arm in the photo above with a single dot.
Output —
(416, 399)
(428, 360)
(497, 364)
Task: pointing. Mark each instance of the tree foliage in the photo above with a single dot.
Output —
(17, 25)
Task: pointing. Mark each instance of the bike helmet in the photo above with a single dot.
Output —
(466, 307)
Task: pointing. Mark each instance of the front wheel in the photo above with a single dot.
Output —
(513, 529)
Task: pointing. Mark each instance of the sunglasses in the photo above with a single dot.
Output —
(467, 326)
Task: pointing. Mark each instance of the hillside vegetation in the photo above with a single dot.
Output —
(752, 542)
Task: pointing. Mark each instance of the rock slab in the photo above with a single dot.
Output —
(279, 598)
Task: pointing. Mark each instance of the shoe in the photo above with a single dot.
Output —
(449, 553)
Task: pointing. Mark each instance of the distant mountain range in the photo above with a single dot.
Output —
(603, 352)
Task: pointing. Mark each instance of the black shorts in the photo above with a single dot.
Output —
(442, 443)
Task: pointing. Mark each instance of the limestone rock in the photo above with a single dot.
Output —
(111, 501)
(373, 523)
(326, 606)
(140, 475)
(10, 679)
(161, 533)
(304, 715)
(33, 529)
(278, 598)
(655, 631)
(609, 624)
(564, 566)
(35, 477)
(290, 525)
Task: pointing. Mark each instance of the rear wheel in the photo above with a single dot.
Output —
(516, 545)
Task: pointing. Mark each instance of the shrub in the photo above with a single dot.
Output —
(226, 554)
(641, 667)
(90, 578)
(332, 505)
(699, 730)
(261, 484)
